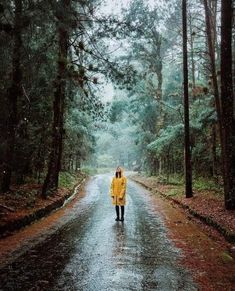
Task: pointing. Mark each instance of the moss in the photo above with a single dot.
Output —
(226, 257)
(174, 192)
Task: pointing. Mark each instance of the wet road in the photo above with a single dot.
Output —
(91, 251)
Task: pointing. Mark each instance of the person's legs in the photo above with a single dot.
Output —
(117, 212)
(122, 213)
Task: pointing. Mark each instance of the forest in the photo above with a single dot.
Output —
(149, 86)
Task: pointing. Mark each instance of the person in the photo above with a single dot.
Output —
(118, 193)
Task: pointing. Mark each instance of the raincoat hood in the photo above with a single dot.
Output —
(122, 171)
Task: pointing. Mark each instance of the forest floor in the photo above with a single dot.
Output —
(24, 204)
(207, 205)
(210, 257)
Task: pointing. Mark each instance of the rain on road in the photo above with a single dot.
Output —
(91, 251)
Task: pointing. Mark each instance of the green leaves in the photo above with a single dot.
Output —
(168, 137)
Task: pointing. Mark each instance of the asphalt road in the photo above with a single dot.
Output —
(91, 251)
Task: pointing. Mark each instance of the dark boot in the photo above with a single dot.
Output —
(117, 213)
(122, 213)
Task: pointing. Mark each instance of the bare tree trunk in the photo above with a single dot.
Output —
(157, 39)
(168, 165)
(159, 72)
(14, 93)
(188, 168)
(192, 55)
(214, 155)
(52, 178)
(227, 103)
(211, 47)
(233, 53)
(160, 166)
(78, 162)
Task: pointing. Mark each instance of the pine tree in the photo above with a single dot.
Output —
(187, 153)
(228, 137)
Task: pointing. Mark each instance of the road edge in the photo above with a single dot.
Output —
(228, 235)
(17, 224)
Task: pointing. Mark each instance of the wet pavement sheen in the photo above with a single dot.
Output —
(91, 251)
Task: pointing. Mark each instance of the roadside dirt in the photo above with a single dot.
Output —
(206, 254)
(23, 205)
(14, 245)
(207, 203)
(209, 256)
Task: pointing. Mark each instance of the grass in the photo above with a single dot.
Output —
(226, 257)
(175, 192)
(173, 179)
(67, 180)
(201, 183)
(176, 180)
(93, 171)
(89, 171)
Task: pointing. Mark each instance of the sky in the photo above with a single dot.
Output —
(113, 6)
(107, 92)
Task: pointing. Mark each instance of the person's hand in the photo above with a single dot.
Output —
(112, 196)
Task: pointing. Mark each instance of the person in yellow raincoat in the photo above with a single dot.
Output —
(118, 193)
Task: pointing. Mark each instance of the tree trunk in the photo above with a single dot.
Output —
(168, 166)
(52, 178)
(188, 168)
(160, 166)
(214, 147)
(159, 71)
(211, 47)
(227, 103)
(14, 93)
(192, 56)
(233, 54)
(78, 162)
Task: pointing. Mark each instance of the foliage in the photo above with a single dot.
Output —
(201, 184)
(140, 53)
(166, 139)
(67, 180)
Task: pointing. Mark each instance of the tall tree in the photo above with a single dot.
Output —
(52, 178)
(211, 48)
(13, 95)
(228, 137)
(188, 168)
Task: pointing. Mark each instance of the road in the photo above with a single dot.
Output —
(91, 251)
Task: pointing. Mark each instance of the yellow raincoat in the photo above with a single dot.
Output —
(118, 190)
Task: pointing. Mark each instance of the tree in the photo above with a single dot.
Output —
(42, 97)
(187, 153)
(210, 32)
(147, 41)
(14, 94)
(227, 106)
(52, 178)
